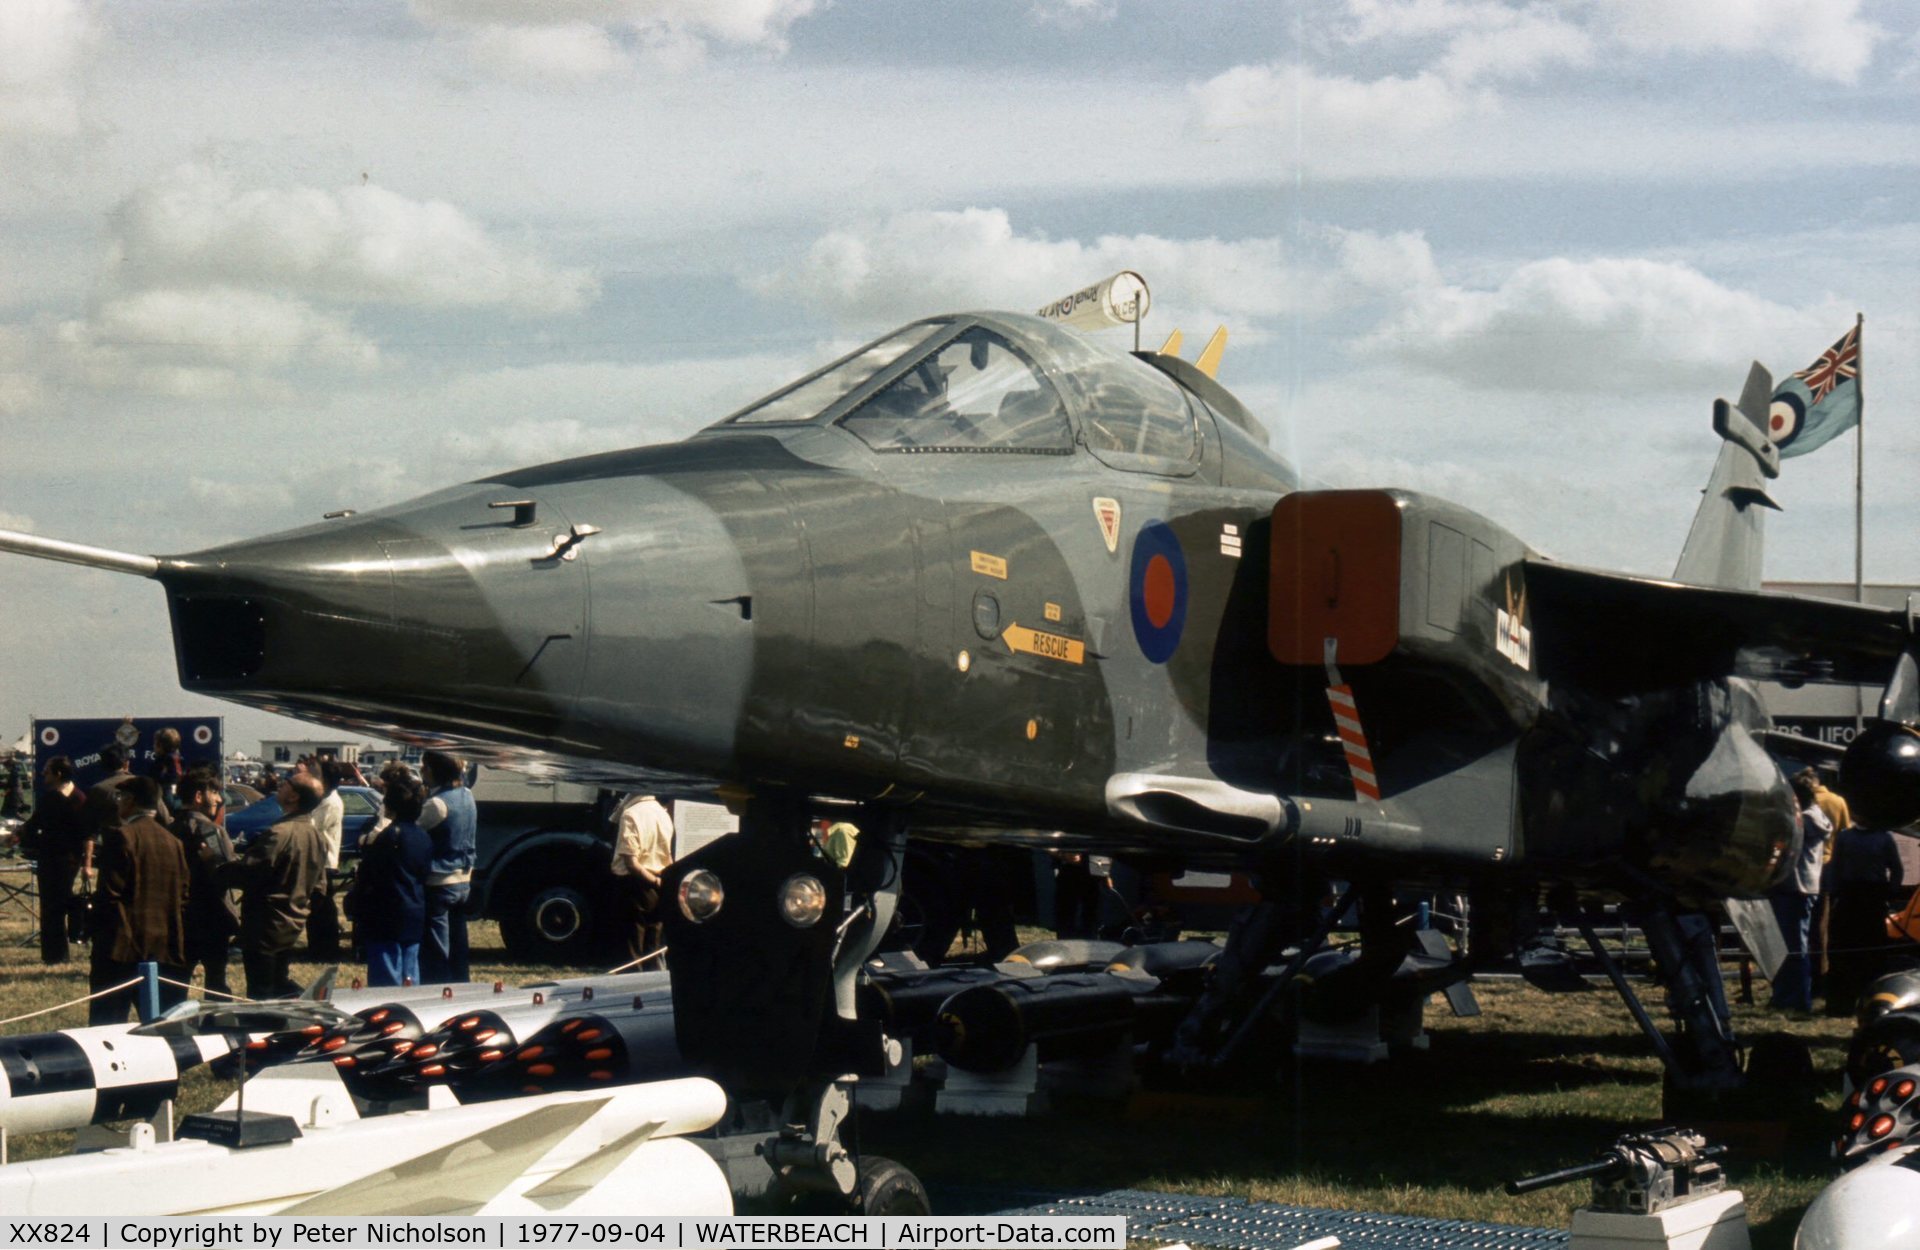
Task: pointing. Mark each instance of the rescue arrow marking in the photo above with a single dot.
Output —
(1021, 640)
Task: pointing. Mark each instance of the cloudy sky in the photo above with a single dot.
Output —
(262, 261)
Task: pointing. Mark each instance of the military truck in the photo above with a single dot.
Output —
(542, 866)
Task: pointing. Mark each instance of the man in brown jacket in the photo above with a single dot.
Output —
(278, 874)
(212, 919)
(139, 913)
(103, 804)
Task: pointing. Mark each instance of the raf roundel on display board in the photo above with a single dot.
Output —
(1157, 591)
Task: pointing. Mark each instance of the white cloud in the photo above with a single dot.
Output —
(1620, 326)
(196, 343)
(911, 264)
(587, 39)
(1485, 38)
(1071, 13)
(43, 43)
(497, 418)
(1480, 38)
(568, 52)
(1520, 46)
(22, 365)
(361, 243)
(1390, 262)
(1456, 54)
(1329, 110)
(16, 521)
(1823, 38)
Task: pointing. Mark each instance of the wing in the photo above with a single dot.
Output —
(1619, 634)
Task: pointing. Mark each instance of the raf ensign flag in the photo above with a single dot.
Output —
(1819, 403)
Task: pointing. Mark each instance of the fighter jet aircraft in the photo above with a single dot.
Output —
(986, 576)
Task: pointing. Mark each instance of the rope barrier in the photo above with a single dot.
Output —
(47, 1011)
(206, 993)
(635, 963)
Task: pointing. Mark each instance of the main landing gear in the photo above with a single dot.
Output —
(769, 936)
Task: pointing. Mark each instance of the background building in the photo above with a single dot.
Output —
(277, 751)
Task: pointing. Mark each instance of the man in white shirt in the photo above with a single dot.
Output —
(1793, 901)
(323, 923)
(642, 850)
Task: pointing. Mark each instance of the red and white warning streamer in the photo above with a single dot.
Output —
(1353, 736)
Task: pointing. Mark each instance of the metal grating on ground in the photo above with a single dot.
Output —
(1235, 1224)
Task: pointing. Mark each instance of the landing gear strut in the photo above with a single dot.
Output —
(764, 987)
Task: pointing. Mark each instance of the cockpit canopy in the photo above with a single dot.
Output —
(991, 384)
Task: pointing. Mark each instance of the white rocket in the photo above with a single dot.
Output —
(602, 1152)
(72, 1077)
(1874, 1207)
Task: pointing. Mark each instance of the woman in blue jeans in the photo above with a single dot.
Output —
(390, 891)
(1793, 901)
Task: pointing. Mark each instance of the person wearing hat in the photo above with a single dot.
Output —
(140, 909)
(277, 875)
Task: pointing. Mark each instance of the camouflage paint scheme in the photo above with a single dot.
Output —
(780, 606)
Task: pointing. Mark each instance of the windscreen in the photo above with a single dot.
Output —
(819, 391)
(974, 394)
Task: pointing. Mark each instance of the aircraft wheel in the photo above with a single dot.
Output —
(888, 1188)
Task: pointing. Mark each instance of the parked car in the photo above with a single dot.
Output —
(361, 808)
(239, 796)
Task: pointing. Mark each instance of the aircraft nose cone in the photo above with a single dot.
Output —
(445, 611)
(249, 612)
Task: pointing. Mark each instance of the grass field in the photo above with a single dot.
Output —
(1535, 1082)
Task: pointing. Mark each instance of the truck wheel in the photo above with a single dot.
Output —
(888, 1188)
(552, 919)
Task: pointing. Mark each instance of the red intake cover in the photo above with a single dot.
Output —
(1335, 574)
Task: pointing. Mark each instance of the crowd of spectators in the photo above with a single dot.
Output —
(141, 867)
(1833, 906)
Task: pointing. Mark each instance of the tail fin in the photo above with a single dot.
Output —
(1728, 539)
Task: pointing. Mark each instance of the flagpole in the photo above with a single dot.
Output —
(1859, 493)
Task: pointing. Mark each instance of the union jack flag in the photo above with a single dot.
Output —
(1839, 363)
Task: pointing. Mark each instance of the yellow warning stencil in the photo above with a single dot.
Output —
(989, 566)
(1024, 641)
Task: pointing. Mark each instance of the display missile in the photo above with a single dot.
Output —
(595, 1049)
(1874, 1207)
(986, 1028)
(1067, 954)
(387, 1020)
(609, 1152)
(1183, 960)
(906, 1002)
(72, 1077)
(462, 1042)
